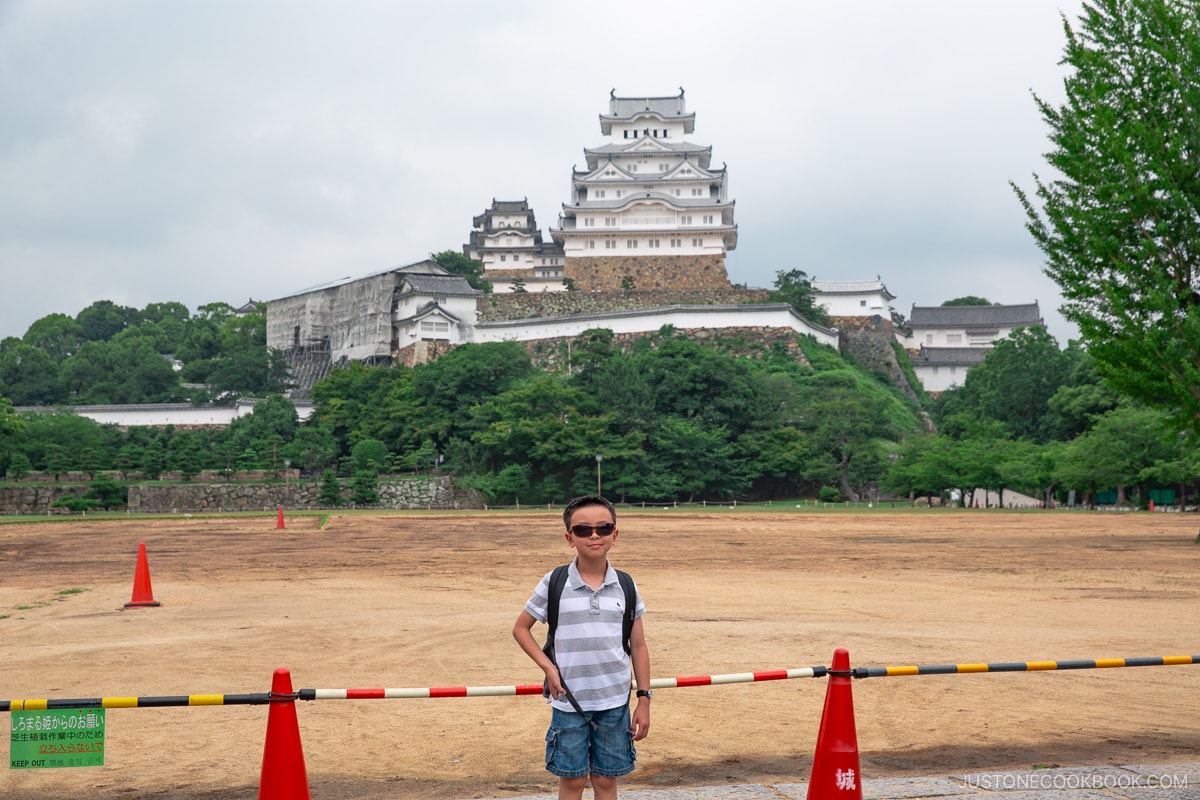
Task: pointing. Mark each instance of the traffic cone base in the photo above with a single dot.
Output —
(143, 594)
(283, 774)
(835, 771)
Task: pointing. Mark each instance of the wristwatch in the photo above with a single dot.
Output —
(646, 693)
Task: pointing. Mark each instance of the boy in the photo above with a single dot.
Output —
(592, 661)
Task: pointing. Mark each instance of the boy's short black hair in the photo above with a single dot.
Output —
(587, 500)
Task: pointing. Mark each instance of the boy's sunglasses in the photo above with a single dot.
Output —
(586, 531)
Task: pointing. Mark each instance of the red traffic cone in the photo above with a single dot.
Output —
(143, 595)
(283, 775)
(279, 521)
(835, 770)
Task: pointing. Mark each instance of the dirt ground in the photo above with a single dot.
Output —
(421, 600)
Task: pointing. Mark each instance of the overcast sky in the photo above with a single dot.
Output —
(222, 150)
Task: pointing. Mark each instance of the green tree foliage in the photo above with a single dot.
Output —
(104, 319)
(370, 455)
(28, 374)
(1013, 386)
(331, 489)
(1118, 223)
(458, 264)
(363, 491)
(969, 300)
(794, 287)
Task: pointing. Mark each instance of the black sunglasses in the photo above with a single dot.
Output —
(586, 531)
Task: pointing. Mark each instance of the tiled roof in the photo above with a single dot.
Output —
(975, 316)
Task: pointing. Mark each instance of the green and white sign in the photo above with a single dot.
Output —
(69, 737)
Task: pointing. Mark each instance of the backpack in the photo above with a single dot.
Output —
(558, 581)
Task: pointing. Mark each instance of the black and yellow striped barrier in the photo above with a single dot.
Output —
(265, 698)
(1022, 666)
(257, 699)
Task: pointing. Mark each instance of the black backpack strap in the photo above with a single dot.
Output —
(558, 581)
(630, 607)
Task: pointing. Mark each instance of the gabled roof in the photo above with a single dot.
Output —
(436, 285)
(852, 287)
(430, 309)
(622, 109)
(700, 154)
(975, 316)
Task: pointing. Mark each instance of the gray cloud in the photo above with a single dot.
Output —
(219, 150)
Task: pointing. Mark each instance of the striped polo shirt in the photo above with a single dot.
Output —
(587, 644)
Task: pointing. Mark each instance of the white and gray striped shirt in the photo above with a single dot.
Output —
(587, 643)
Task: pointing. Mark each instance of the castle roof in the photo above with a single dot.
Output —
(852, 287)
(623, 109)
(991, 317)
(440, 285)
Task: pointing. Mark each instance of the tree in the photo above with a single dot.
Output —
(793, 287)
(458, 264)
(1120, 223)
(969, 300)
(370, 455)
(1013, 385)
(363, 489)
(331, 489)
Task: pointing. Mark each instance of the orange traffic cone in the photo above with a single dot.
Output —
(143, 595)
(279, 521)
(835, 770)
(283, 775)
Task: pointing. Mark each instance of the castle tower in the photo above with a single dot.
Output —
(506, 239)
(649, 209)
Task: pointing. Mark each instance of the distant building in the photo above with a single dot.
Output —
(854, 298)
(944, 342)
(506, 239)
(390, 316)
(648, 211)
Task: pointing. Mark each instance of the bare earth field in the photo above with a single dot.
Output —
(420, 600)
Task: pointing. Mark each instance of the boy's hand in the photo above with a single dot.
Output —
(641, 719)
(554, 682)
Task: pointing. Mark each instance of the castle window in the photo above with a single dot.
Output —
(677, 193)
(589, 222)
(631, 243)
(633, 167)
(599, 193)
(610, 244)
(662, 167)
(591, 244)
(697, 242)
(696, 192)
(951, 338)
(676, 242)
(708, 219)
(626, 134)
(610, 222)
(685, 220)
(503, 257)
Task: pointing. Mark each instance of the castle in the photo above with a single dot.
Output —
(639, 244)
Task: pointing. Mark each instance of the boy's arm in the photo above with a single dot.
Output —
(641, 678)
(523, 633)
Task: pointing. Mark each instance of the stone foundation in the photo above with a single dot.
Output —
(648, 272)
(532, 305)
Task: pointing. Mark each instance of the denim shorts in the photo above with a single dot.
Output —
(574, 749)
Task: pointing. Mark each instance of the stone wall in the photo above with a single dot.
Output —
(648, 272)
(428, 492)
(555, 354)
(869, 341)
(531, 305)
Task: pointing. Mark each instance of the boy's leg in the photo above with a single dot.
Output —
(572, 788)
(603, 787)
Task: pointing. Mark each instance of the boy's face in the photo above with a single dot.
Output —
(584, 533)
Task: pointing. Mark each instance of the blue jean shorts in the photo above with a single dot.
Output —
(574, 749)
